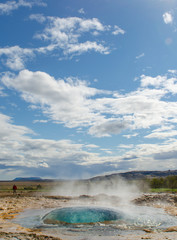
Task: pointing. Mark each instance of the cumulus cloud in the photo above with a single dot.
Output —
(168, 18)
(163, 133)
(21, 154)
(10, 131)
(163, 83)
(74, 103)
(108, 128)
(63, 36)
(15, 57)
(85, 47)
(166, 155)
(150, 156)
(18, 148)
(45, 157)
(66, 34)
(9, 6)
(64, 101)
(152, 81)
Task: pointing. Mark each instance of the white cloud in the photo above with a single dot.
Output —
(63, 101)
(40, 121)
(168, 18)
(126, 146)
(86, 25)
(163, 133)
(81, 11)
(65, 34)
(130, 135)
(20, 151)
(15, 57)
(152, 81)
(9, 6)
(85, 47)
(118, 30)
(68, 29)
(91, 146)
(2, 94)
(163, 83)
(172, 71)
(75, 104)
(140, 56)
(108, 128)
(52, 158)
(38, 17)
(9, 131)
(150, 156)
(15, 141)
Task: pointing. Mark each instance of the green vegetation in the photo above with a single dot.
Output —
(151, 184)
(6, 186)
(163, 184)
(158, 190)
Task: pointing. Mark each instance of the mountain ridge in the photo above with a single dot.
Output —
(132, 175)
(135, 175)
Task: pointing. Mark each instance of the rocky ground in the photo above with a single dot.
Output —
(12, 204)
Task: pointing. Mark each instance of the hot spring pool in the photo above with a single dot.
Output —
(76, 222)
(84, 215)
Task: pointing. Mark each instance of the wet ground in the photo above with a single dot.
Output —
(11, 206)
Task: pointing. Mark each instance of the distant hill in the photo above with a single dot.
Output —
(144, 174)
(27, 179)
(135, 175)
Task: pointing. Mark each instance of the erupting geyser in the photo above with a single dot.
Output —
(77, 215)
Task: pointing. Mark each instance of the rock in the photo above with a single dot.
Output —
(171, 229)
(146, 238)
(148, 230)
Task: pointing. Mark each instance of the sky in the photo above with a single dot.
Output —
(87, 87)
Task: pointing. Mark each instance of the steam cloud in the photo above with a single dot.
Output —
(118, 187)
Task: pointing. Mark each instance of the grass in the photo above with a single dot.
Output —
(6, 186)
(46, 186)
(158, 190)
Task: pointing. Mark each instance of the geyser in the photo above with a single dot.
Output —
(78, 215)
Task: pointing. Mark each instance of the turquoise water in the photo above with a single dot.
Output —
(134, 217)
(75, 223)
(76, 215)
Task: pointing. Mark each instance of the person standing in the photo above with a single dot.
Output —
(14, 188)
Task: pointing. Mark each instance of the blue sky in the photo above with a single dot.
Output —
(87, 87)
